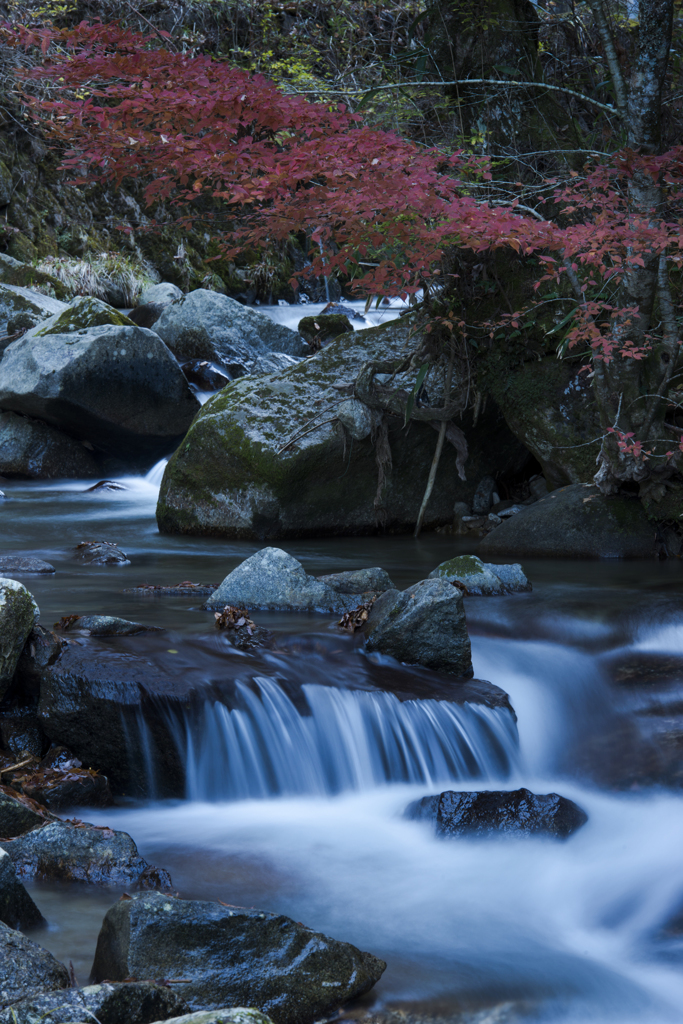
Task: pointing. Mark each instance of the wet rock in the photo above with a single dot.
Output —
(77, 852)
(147, 314)
(165, 293)
(101, 552)
(232, 1015)
(107, 485)
(272, 580)
(203, 375)
(17, 909)
(117, 387)
(103, 625)
(83, 312)
(423, 625)
(136, 1002)
(23, 565)
(359, 581)
(22, 308)
(25, 966)
(207, 325)
(576, 522)
(518, 813)
(18, 615)
(19, 815)
(20, 733)
(60, 781)
(233, 956)
(32, 450)
(481, 578)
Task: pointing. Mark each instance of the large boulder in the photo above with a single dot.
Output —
(516, 813)
(18, 615)
(231, 956)
(479, 578)
(575, 522)
(423, 625)
(22, 308)
(117, 387)
(207, 325)
(269, 457)
(30, 450)
(273, 580)
(17, 909)
(136, 1002)
(25, 966)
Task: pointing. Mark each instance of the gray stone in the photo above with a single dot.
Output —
(18, 615)
(233, 956)
(136, 1002)
(101, 552)
(272, 580)
(25, 966)
(117, 387)
(423, 625)
(357, 418)
(164, 292)
(32, 450)
(107, 625)
(358, 581)
(83, 312)
(207, 325)
(21, 308)
(19, 565)
(17, 909)
(61, 852)
(575, 522)
(480, 578)
(19, 815)
(516, 813)
(233, 1015)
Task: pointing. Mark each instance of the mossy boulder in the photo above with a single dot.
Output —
(82, 312)
(267, 458)
(26, 276)
(481, 578)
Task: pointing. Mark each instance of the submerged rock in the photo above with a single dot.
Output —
(519, 812)
(481, 578)
(233, 956)
(22, 564)
(423, 625)
(136, 1002)
(101, 552)
(77, 852)
(576, 522)
(18, 615)
(17, 909)
(117, 387)
(25, 966)
(272, 580)
(32, 450)
(359, 581)
(103, 625)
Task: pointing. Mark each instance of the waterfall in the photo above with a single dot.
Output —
(348, 740)
(154, 475)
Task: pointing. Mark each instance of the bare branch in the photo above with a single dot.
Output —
(611, 54)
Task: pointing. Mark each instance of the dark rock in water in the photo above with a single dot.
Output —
(18, 615)
(107, 485)
(180, 590)
(233, 956)
(21, 565)
(60, 780)
(101, 552)
(17, 909)
(115, 386)
(273, 580)
(359, 581)
(30, 449)
(575, 522)
(423, 625)
(19, 815)
(205, 376)
(519, 812)
(104, 625)
(77, 852)
(136, 1002)
(25, 966)
(481, 578)
(147, 314)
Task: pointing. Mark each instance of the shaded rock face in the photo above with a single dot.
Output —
(273, 580)
(148, 314)
(359, 581)
(233, 956)
(256, 464)
(137, 1002)
(17, 909)
(84, 853)
(19, 816)
(59, 780)
(207, 325)
(18, 615)
(116, 387)
(423, 625)
(520, 813)
(31, 450)
(575, 522)
(26, 966)
(22, 308)
(480, 578)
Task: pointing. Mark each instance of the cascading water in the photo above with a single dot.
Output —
(349, 740)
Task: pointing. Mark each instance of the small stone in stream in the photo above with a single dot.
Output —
(18, 815)
(481, 578)
(60, 781)
(356, 618)
(233, 956)
(180, 589)
(101, 552)
(18, 615)
(74, 851)
(19, 564)
(136, 1002)
(205, 376)
(104, 625)
(233, 1015)
(359, 581)
(518, 813)
(25, 966)
(107, 485)
(17, 909)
